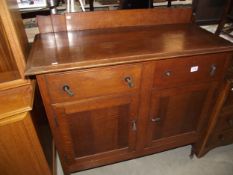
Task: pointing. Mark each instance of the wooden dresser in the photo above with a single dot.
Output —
(134, 83)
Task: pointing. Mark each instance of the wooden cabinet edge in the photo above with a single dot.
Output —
(13, 118)
(27, 98)
(14, 84)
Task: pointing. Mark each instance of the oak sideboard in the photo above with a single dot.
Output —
(130, 84)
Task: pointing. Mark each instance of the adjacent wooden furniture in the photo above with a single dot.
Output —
(128, 85)
(21, 150)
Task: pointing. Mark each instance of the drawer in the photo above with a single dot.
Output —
(225, 121)
(75, 85)
(174, 72)
(221, 138)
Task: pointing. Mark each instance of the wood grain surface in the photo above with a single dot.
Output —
(52, 52)
(112, 19)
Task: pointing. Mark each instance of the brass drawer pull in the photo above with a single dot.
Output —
(158, 119)
(213, 69)
(66, 88)
(168, 73)
(129, 81)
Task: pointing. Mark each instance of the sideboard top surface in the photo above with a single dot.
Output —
(53, 52)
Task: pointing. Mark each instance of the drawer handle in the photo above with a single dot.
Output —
(129, 81)
(66, 88)
(168, 73)
(158, 119)
(213, 69)
(230, 122)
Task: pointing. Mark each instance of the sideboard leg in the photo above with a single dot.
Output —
(191, 153)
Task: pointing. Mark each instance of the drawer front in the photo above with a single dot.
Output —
(225, 121)
(75, 85)
(174, 72)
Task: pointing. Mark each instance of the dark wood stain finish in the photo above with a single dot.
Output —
(98, 125)
(178, 110)
(120, 18)
(133, 89)
(61, 51)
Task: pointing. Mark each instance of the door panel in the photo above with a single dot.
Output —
(99, 130)
(94, 127)
(177, 111)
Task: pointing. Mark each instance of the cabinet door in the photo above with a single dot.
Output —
(97, 127)
(176, 114)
